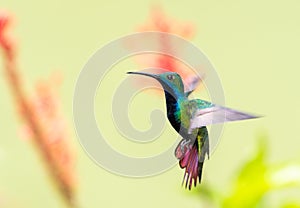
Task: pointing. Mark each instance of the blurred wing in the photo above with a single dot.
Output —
(191, 84)
(217, 114)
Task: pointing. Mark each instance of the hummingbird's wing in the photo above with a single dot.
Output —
(204, 113)
(191, 84)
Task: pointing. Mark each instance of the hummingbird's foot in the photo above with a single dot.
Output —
(183, 146)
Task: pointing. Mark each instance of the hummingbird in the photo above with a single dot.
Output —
(190, 119)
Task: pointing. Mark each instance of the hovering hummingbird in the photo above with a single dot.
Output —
(190, 118)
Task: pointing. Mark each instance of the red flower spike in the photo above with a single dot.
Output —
(159, 22)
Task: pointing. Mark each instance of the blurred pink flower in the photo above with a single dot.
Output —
(44, 121)
(160, 22)
(46, 104)
(5, 42)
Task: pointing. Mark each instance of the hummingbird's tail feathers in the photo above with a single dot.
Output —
(190, 162)
(200, 168)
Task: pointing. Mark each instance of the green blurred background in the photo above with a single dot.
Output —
(254, 46)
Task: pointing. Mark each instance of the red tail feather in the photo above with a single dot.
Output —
(193, 168)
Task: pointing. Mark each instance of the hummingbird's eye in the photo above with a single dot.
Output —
(170, 77)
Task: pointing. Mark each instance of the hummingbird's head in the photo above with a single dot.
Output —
(170, 81)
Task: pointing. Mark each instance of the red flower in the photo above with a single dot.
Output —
(44, 120)
(158, 21)
(46, 106)
(5, 42)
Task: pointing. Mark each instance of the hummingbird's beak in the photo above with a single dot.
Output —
(145, 74)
